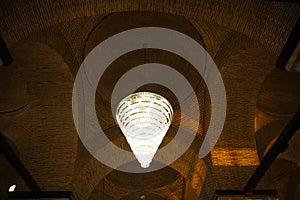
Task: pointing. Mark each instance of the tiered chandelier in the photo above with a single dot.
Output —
(144, 118)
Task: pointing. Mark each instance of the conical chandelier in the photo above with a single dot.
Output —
(144, 118)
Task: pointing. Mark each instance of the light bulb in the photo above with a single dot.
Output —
(12, 188)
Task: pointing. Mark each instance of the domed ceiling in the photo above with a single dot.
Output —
(49, 41)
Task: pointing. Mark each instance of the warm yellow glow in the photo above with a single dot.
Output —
(185, 121)
(198, 176)
(234, 157)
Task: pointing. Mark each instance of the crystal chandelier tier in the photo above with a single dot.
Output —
(144, 118)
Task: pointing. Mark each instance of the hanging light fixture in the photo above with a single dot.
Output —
(144, 118)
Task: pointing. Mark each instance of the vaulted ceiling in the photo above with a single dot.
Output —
(49, 40)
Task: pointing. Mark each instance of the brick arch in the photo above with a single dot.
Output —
(23, 18)
(233, 44)
(243, 60)
(239, 58)
(196, 171)
(53, 37)
(166, 183)
(47, 122)
(61, 45)
(20, 22)
(284, 87)
(239, 48)
(88, 175)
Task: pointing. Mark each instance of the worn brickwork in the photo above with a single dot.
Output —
(49, 39)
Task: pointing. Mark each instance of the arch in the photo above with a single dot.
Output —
(24, 18)
(195, 170)
(47, 123)
(92, 174)
(19, 23)
(53, 38)
(278, 98)
(236, 61)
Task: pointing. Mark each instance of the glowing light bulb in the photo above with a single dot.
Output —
(12, 188)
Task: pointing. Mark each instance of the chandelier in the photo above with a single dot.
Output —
(144, 118)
